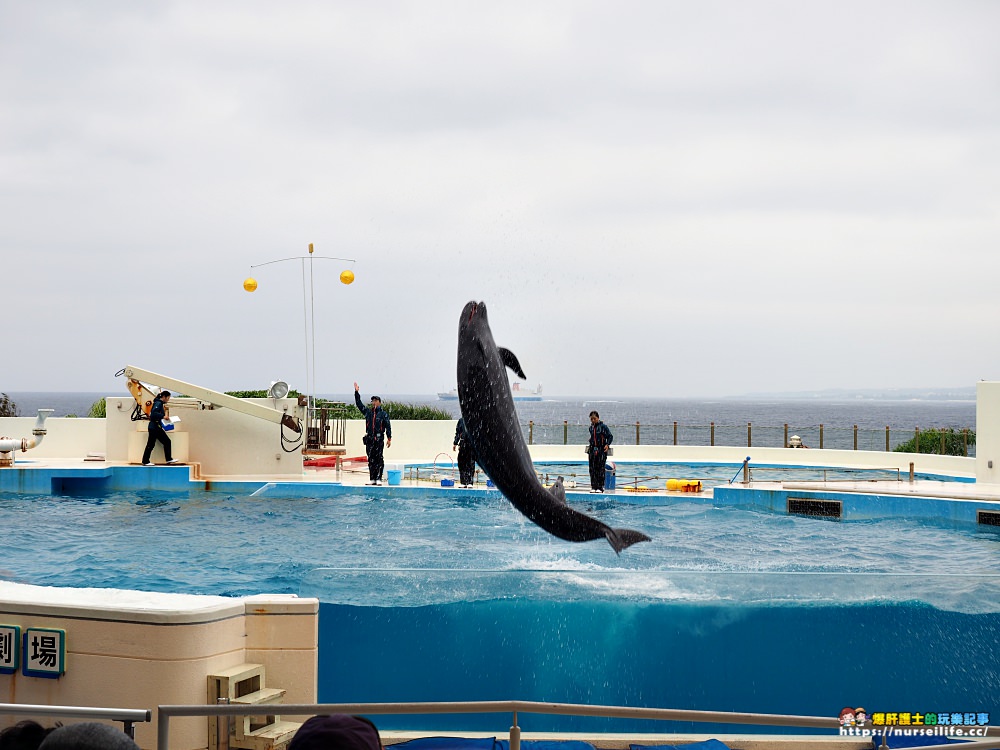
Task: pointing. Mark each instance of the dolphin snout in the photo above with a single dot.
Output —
(472, 310)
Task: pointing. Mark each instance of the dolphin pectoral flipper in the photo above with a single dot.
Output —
(510, 360)
(622, 538)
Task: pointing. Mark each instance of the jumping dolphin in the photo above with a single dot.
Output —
(488, 409)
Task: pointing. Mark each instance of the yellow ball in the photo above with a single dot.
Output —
(250, 285)
(346, 277)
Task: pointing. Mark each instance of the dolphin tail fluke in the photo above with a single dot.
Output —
(622, 538)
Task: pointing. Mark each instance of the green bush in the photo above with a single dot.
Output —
(7, 407)
(257, 394)
(955, 442)
(99, 409)
(394, 409)
(397, 410)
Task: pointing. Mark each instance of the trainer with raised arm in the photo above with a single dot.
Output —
(377, 427)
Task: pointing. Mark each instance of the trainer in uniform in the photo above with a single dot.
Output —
(376, 427)
(597, 451)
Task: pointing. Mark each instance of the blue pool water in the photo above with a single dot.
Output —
(439, 597)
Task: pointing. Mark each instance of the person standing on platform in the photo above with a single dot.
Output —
(157, 413)
(597, 451)
(377, 427)
(466, 454)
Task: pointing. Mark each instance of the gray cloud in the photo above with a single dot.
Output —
(766, 188)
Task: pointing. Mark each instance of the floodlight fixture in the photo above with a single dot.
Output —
(278, 389)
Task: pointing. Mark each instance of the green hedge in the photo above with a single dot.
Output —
(7, 407)
(955, 442)
(394, 409)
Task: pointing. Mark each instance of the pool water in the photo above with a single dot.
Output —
(215, 543)
(461, 598)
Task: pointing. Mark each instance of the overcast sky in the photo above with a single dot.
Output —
(653, 198)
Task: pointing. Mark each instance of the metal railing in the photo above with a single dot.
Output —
(636, 482)
(750, 435)
(326, 425)
(513, 707)
(128, 716)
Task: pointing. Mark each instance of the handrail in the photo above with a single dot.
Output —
(165, 713)
(749, 434)
(128, 716)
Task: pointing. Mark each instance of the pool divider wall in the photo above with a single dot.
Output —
(132, 649)
(854, 505)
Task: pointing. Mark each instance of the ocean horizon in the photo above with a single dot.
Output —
(829, 423)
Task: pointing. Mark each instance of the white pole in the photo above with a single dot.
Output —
(305, 330)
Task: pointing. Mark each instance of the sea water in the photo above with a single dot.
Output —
(445, 598)
(543, 421)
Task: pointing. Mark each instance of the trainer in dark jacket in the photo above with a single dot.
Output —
(157, 413)
(376, 427)
(597, 451)
(466, 454)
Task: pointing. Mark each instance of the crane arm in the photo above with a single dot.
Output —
(140, 376)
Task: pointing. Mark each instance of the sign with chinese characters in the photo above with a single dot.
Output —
(44, 652)
(855, 722)
(10, 648)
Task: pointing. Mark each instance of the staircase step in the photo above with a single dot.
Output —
(261, 697)
(272, 737)
(238, 673)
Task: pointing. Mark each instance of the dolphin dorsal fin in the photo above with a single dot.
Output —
(508, 358)
(558, 491)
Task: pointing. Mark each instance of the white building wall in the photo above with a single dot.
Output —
(988, 432)
(223, 441)
(133, 649)
(67, 436)
(233, 444)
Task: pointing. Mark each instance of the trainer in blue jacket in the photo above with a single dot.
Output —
(157, 413)
(376, 427)
(597, 451)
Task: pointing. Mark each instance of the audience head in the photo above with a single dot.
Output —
(88, 735)
(337, 732)
(25, 735)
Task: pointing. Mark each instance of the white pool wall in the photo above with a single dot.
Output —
(226, 443)
(132, 649)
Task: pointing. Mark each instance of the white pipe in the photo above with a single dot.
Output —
(8, 445)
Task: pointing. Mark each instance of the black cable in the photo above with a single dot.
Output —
(295, 443)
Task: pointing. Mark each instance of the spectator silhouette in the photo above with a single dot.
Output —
(88, 735)
(336, 732)
(25, 735)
